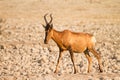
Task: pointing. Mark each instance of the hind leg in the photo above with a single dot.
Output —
(72, 59)
(89, 59)
(98, 58)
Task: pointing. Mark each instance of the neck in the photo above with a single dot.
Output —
(56, 36)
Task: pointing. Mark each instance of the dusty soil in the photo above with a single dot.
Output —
(24, 56)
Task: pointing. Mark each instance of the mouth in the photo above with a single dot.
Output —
(45, 42)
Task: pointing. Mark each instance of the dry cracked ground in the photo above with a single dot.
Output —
(24, 56)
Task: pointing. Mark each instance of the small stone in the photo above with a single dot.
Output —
(1, 47)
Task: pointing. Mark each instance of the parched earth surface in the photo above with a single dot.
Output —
(24, 56)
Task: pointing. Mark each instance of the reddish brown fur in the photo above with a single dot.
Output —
(73, 42)
(78, 42)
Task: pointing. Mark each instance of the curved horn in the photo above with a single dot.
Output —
(45, 18)
(51, 18)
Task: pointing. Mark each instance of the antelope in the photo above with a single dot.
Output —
(73, 42)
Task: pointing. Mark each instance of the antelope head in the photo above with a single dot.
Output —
(48, 28)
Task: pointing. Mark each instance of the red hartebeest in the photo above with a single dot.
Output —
(73, 42)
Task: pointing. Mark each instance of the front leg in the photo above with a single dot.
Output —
(58, 61)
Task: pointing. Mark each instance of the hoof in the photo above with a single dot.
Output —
(55, 71)
(88, 71)
(75, 72)
(101, 71)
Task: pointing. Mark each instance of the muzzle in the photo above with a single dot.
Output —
(45, 41)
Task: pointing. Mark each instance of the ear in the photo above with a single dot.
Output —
(43, 26)
(51, 26)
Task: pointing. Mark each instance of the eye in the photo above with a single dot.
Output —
(47, 32)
